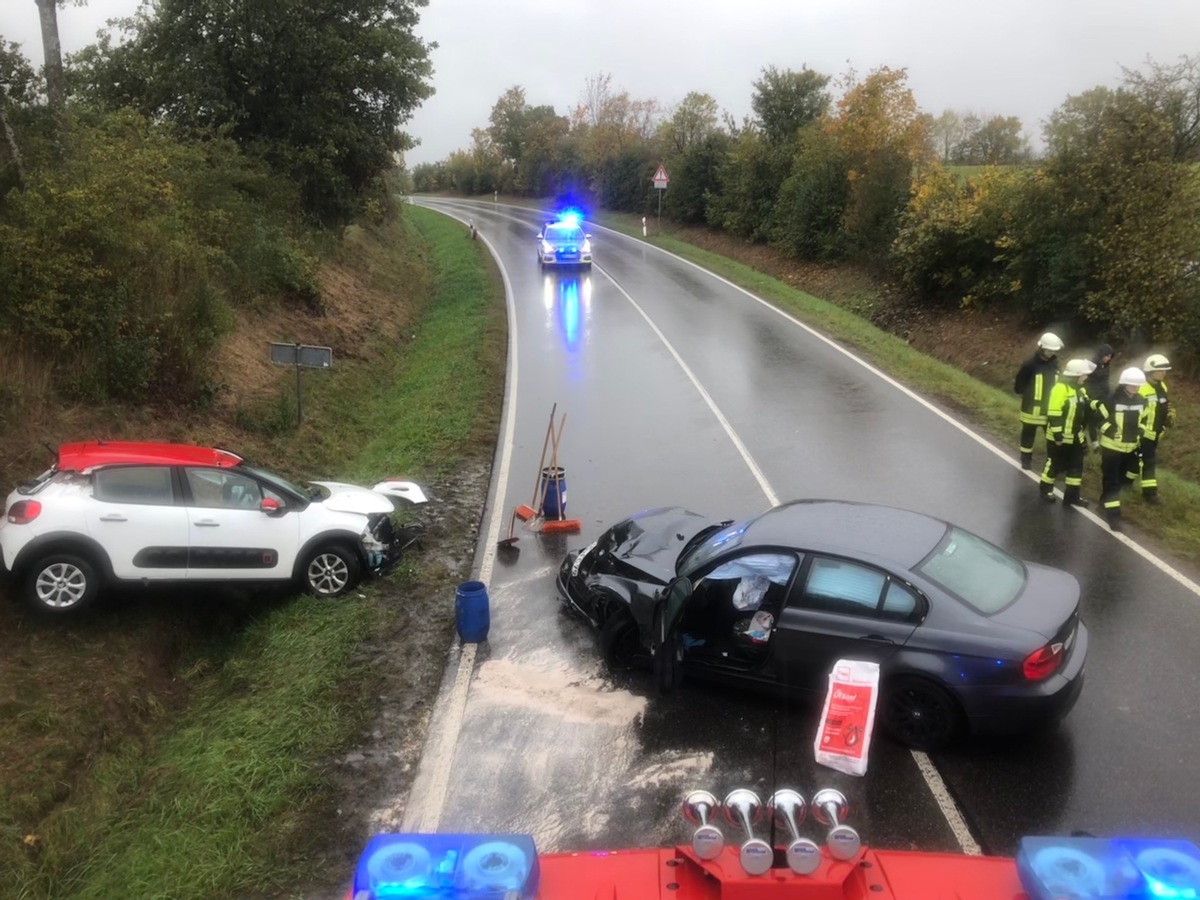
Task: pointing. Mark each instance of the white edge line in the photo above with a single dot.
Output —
(1158, 563)
(439, 753)
(945, 802)
(933, 779)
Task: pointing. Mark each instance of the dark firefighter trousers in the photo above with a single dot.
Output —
(1028, 437)
(1149, 450)
(1117, 470)
(1064, 459)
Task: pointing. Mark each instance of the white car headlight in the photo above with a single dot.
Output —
(587, 247)
(547, 247)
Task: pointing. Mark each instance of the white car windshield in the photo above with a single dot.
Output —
(564, 234)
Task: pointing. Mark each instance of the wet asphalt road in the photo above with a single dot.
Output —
(547, 743)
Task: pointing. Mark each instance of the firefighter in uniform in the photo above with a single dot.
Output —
(1159, 417)
(1122, 418)
(1034, 380)
(1066, 432)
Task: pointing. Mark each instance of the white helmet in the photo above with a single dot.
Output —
(1156, 362)
(1050, 341)
(1132, 376)
(1077, 367)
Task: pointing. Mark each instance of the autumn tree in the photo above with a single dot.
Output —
(784, 101)
(884, 141)
(1174, 92)
(996, 141)
(318, 88)
(690, 123)
(16, 90)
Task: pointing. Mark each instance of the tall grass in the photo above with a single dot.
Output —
(231, 797)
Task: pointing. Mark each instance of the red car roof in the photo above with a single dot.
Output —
(79, 457)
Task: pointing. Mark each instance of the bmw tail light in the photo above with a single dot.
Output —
(24, 511)
(1044, 662)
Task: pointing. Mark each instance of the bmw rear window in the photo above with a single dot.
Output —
(980, 573)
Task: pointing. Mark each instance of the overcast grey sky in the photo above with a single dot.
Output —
(1014, 58)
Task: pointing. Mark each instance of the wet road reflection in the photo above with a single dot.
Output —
(552, 745)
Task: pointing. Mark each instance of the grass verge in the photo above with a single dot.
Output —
(1175, 525)
(228, 793)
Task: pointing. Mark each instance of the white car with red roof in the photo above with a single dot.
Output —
(109, 512)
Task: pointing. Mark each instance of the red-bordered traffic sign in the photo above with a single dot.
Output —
(661, 178)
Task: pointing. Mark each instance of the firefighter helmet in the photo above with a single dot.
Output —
(1132, 376)
(1050, 341)
(1156, 362)
(1077, 367)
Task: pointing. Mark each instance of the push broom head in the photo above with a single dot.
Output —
(561, 526)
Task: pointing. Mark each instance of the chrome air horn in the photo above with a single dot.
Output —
(803, 855)
(830, 809)
(707, 840)
(744, 809)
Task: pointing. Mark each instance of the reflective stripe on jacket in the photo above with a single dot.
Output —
(1157, 405)
(1122, 420)
(1066, 412)
(1034, 380)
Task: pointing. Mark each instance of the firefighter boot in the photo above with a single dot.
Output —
(1114, 519)
(1026, 460)
(1071, 497)
(1150, 495)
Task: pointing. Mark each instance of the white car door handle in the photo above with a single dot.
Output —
(207, 523)
(113, 517)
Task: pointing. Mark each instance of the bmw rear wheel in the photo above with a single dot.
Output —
(61, 584)
(920, 714)
(331, 570)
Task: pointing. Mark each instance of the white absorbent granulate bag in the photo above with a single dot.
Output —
(848, 717)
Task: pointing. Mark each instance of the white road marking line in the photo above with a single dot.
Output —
(425, 814)
(1160, 564)
(945, 802)
(757, 472)
(933, 779)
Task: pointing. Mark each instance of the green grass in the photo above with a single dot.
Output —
(232, 799)
(1175, 525)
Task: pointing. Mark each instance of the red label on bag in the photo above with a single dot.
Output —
(845, 724)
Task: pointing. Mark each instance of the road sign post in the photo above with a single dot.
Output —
(661, 180)
(302, 356)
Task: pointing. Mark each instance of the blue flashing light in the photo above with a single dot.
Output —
(1103, 869)
(570, 216)
(448, 867)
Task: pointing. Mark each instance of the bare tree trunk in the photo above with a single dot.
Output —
(10, 138)
(55, 82)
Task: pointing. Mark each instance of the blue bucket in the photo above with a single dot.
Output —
(554, 492)
(471, 615)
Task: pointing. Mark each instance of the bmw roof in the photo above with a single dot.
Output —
(86, 455)
(899, 536)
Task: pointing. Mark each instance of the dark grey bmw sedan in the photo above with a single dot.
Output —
(968, 638)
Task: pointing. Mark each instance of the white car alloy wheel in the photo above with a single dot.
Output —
(331, 571)
(62, 584)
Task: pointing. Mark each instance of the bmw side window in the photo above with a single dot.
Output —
(899, 602)
(835, 585)
(146, 485)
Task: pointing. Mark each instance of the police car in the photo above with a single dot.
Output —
(564, 243)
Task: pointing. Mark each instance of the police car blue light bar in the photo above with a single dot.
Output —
(1108, 869)
(570, 216)
(447, 866)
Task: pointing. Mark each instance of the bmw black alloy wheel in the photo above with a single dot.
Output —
(920, 714)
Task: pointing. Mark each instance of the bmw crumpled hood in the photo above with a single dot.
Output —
(651, 541)
(352, 498)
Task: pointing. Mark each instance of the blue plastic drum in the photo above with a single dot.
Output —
(554, 491)
(471, 614)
